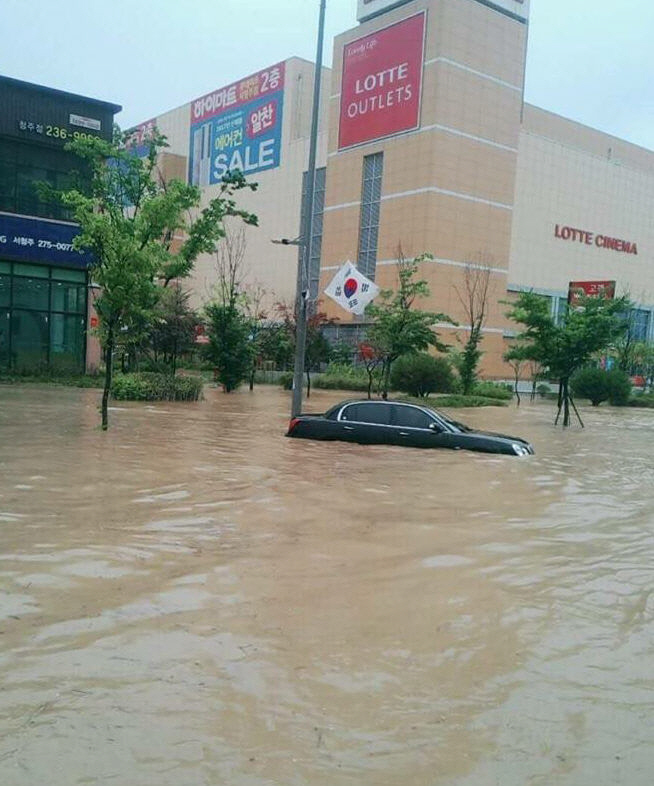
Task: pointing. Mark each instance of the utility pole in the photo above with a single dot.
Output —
(304, 259)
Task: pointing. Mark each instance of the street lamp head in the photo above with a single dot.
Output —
(284, 241)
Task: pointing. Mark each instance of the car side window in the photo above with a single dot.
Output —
(410, 417)
(373, 412)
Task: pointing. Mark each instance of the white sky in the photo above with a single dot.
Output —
(589, 60)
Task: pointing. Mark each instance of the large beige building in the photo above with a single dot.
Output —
(427, 145)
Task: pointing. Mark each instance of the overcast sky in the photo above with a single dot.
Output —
(590, 61)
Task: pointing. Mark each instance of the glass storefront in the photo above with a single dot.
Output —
(42, 318)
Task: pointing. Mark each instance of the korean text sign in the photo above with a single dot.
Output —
(381, 83)
(579, 289)
(237, 127)
(25, 239)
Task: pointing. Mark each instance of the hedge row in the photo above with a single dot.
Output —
(149, 386)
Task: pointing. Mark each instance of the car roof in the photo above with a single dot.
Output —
(380, 401)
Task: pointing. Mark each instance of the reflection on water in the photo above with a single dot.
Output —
(192, 599)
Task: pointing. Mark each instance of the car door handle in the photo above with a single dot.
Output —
(404, 433)
(348, 428)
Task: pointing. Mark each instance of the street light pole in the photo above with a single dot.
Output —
(304, 258)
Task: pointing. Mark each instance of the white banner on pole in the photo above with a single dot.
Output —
(351, 289)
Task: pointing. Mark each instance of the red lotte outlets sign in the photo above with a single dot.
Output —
(381, 83)
(592, 239)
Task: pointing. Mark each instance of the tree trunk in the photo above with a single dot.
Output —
(369, 384)
(308, 384)
(252, 372)
(517, 392)
(566, 403)
(108, 368)
(387, 378)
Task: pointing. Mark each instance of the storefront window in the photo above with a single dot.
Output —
(67, 296)
(5, 290)
(31, 293)
(66, 342)
(42, 317)
(29, 340)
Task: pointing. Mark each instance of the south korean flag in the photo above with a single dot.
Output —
(351, 290)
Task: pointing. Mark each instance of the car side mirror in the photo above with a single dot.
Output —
(434, 427)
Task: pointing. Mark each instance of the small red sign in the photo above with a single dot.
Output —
(579, 289)
(94, 321)
(381, 83)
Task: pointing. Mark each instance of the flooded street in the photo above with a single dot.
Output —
(192, 600)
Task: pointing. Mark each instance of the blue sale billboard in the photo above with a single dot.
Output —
(237, 127)
(25, 239)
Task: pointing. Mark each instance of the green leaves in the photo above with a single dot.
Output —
(143, 231)
(583, 333)
(398, 328)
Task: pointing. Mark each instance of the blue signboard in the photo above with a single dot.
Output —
(24, 239)
(237, 127)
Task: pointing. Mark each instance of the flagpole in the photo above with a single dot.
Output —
(304, 258)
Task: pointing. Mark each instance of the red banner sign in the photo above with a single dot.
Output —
(239, 93)
(381, 84)
(579, 289)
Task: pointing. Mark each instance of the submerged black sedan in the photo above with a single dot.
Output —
(401, 423)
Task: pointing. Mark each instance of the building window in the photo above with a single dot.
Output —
(373, 167)
(42, 317)
(24, 167)
(316, 226)
(639, 324)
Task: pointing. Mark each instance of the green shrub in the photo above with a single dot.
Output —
(619, 387)
(147, 386)
(493, 390)
(420, 374)
(342, 353)
(543, 390)
(286, 380)
(339, 376)
(591, 383)
(79, 381)
(642, 400)
(599, 385)
(456, 400)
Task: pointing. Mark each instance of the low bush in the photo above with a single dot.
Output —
(642, 400)
(286, 380)
(598, 385)
(72, 380)
(147, 386)
(420, 374)
(619, 388)
(456, 400)
(499, 390)
(339, 376)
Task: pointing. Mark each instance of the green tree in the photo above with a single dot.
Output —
(399, 328)
(562, 349)
(317, 348)
(229, 347)
(128, 219)
(229, 324)
(173, 327)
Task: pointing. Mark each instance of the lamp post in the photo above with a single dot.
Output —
(304, 258)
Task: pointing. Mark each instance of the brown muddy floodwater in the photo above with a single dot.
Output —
(192, 600)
